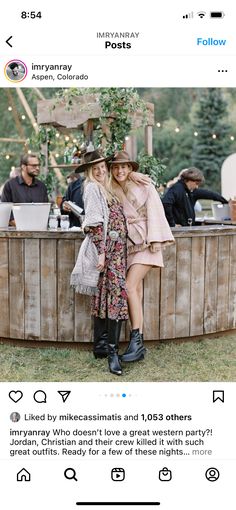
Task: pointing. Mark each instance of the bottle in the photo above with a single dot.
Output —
(75, 158)
(67, 156)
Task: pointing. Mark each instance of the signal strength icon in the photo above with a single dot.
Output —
(188, 16)
(201, 14)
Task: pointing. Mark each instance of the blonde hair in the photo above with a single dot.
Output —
(105, 187)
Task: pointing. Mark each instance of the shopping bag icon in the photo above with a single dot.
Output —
(165, 475)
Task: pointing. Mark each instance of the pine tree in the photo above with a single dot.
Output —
(212, 144)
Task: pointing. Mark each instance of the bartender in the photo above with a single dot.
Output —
(26, 188)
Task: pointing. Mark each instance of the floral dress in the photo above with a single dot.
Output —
(111, 299)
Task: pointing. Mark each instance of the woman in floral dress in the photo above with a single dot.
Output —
(101, 266)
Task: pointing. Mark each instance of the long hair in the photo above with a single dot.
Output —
(105, 187)
(115, 185)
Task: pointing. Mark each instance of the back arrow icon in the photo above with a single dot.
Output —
(7, 41)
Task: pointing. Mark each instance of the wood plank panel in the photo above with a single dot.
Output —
(65, 305)
(211, 282)
(17, 288)
(167, 295)
(232, 284)
(223, 284)
(48, 289)
(32, 289)
(4, 290)
(151, 300)
(83, 323)
(197, 286)
(183, 278)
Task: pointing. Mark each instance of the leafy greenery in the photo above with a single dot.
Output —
(121, 103)
(153, 167)
(115, 122)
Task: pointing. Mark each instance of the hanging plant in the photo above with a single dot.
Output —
(117, 105)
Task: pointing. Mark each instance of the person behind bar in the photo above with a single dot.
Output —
(26, 188)
(180, 199)
(74, 194)
(100, 269)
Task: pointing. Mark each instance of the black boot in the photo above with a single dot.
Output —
(100, 349)
(135, 350)
(113, 330)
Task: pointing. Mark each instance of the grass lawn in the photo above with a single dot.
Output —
(209, 359)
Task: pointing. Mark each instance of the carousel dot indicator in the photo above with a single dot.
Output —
(124, 395)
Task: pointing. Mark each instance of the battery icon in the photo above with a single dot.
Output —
(217, 14)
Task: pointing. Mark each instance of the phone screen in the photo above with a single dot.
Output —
(117, 255)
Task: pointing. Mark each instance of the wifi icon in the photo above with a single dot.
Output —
(201, 14)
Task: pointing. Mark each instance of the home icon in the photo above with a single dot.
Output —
(23, 476)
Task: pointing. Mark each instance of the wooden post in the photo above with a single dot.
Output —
(131, 146)
(148, 140)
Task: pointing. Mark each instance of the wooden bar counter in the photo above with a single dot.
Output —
(195, 294)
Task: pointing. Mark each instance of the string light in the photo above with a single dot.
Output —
(67, 138)
(195, 133)
(232, 138)
(158, 124)
(29, 151)
(35, 124)
(177, 130)
(57, 155)
(127, 138)
(7, 156)
(9, 108)
(214, 136)
(74, 140)
(57, 135)
(13, 167)
(23, 117)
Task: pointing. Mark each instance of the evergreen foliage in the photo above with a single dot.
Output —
(212, 145)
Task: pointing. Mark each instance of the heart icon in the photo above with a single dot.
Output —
(15, 395)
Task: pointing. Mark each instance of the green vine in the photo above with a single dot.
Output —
(120, 103)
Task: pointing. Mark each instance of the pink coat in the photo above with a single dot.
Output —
(145, 216)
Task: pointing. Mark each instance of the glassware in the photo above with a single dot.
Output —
(65, 222)
(52, 222)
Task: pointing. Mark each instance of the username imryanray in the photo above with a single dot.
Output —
(47, 75)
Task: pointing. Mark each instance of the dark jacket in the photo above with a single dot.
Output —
(179, 202)
(74, 193)
(17, 191)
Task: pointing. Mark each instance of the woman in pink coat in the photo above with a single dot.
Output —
(148, 231)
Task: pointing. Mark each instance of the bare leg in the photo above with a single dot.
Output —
(135, 277)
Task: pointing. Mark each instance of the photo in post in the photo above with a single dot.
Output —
(169, 314)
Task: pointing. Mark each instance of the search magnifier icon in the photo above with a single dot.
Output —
(70, 474)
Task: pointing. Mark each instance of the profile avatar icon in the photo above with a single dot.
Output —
(15, 70)
(212, 474)
(15, 417)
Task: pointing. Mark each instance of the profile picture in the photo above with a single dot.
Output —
(15, 70)
(14, 417)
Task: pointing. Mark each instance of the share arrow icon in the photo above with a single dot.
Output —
(64, 395)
